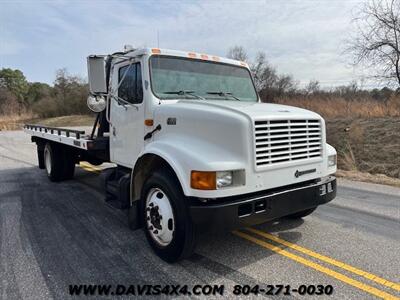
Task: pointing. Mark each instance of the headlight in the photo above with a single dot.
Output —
(331, 161)
(224, 179)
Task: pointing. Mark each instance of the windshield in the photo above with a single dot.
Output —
(177, 77)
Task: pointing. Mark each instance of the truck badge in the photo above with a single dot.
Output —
(298, 173)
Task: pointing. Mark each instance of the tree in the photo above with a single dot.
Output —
(313, 87)
(238, 53)
(268, 82)
(15, 82)
(376, 44)
(70, 92)
(68, 96)
(8, 102)
(38, 91)
(285, 85)
(263, 73)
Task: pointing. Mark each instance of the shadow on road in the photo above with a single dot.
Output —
(65, 234)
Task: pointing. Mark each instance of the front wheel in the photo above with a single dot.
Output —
(302, 214)
(167, 223)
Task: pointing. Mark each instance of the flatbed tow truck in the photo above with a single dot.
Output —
(194, 147)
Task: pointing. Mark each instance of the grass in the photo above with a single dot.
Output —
(12, 122)
(74, 120)
(332, 108)
(16, 122)
(367, 177)
(367, 145)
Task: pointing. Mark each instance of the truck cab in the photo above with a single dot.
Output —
(195, 148)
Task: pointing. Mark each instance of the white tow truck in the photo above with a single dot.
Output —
(194, 147)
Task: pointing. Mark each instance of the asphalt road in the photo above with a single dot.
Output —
(53, 235)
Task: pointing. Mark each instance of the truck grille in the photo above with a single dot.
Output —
(279, 141)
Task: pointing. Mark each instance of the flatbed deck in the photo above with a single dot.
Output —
(71, 137)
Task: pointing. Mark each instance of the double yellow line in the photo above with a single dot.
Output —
(355, 283)
(88, 167)
(358, 284)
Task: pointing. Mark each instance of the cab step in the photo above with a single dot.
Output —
(117, 187)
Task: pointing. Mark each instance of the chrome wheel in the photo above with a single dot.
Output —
(47, 160)
(159, 217)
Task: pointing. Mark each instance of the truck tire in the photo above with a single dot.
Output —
(69, 164)
(302, 214)
(53, 161)
(40, 155)
(167, 222)
(95, 161)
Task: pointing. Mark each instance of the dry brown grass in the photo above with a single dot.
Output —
(337, 107)
(347, 158)
(16, 122)
(67, 121)
(367, 177)
(367, 145)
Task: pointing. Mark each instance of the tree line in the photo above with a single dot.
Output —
(272, 85)
(67, 95)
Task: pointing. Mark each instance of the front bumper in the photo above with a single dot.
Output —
(246, 210)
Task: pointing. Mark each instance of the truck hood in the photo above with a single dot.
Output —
(254, 110)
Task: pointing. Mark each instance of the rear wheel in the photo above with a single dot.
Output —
(167, 222)
(53, 162)
(69, 164)
(40, 155)
(58, 162)
(302, 214)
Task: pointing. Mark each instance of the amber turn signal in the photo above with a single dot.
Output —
(148, 122)
(203, 180)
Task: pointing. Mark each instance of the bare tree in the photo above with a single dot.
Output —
(269, 84)
(313, 87)
(376, 44)
(238, 53)
(285, 84)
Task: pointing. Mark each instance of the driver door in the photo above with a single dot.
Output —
(127, 118)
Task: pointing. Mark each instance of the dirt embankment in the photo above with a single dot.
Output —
(367, 145)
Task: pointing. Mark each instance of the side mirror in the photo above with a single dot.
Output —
(96, 103)
(97, 74)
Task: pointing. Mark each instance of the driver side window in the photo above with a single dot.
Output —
(131, 88)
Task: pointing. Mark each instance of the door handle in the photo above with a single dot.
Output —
(114, 132)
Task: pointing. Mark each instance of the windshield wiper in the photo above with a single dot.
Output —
(183, 93)
(224, 94)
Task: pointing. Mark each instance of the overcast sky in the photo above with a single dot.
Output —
(302, 38)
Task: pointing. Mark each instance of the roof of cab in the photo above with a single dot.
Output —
(187, 54)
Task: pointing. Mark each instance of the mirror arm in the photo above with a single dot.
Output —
(124, 103)
(120, 101)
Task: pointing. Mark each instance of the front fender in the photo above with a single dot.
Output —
(184, 156)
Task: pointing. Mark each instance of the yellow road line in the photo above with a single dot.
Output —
(89, 167)
(328, 260)
(367, 288)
